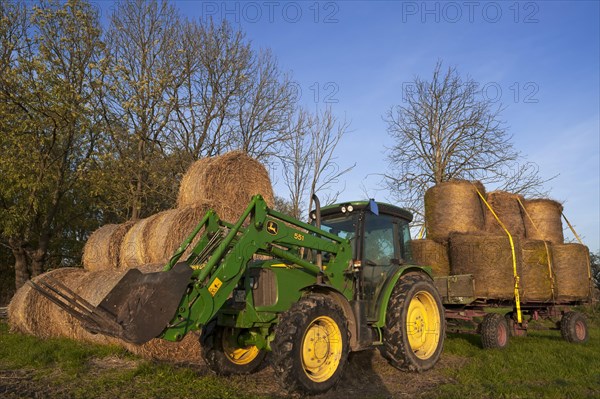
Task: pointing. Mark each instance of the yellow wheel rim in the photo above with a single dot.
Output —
(321, 349)
(423, 325)
(236, 354)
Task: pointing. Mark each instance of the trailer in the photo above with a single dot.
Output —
(496, 320)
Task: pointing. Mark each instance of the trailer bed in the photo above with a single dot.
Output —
(496, 318)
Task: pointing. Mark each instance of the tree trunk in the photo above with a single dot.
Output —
(21, 270)
(38, 260)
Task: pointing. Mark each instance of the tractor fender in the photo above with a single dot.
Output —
(386, 292)
(340, 299)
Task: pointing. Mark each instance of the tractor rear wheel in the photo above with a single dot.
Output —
(224, 355)
(413, 337)
(494, 331)
(310, 348)
(573, 328)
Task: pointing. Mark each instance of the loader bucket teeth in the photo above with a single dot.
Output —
(137, 309)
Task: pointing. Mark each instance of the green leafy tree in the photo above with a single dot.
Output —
(48, 130)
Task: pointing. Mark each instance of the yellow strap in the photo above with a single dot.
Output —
(514, 256)
(587, 254)
(548, 256)
(572, 229)
(421, 232)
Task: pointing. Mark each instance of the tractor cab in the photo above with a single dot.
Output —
(379, 234)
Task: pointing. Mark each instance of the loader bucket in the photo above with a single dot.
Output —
(137, 309)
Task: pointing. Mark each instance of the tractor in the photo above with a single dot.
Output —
(307, 294)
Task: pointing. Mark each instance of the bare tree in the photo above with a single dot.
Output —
(144, 52)
(214, 61)
(232, 96)
(265, 104)
(309, 162)
(446, 131)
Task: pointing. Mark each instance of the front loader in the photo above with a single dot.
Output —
(307, 293)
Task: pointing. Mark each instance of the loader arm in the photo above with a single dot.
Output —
(222, 253)
(188, 294)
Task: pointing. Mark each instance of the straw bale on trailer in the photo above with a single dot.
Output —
(507, 208)
(571, 268)
(232, 178)
(102, 249)
(453, 207)
(546, 216)
(433, 254)
(489, 259)
(535, 272)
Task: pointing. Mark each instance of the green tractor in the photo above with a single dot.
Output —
(308, 294)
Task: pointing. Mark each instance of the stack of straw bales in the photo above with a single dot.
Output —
(225, 184)
(464, 237)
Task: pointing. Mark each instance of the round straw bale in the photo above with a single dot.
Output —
(489, 259)
(172, 227)
(535, 271)
(160, 235)
(546, 217)
(433, 254)
(232, 178)
(40, 316)
(17, 310)
(102, 249)
(453, 207)
(134, 248)
(507, 208)
(192, 182)
(571, 268)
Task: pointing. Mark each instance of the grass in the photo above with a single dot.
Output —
(64, 368)
(541, 365)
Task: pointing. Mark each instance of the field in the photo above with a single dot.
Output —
(540, 365)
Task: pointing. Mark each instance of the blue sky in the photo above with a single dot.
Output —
(540, 59)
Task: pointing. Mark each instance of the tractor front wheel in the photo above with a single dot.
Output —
(310, 348)
(573, 328)
(413, 337)
(224, 355)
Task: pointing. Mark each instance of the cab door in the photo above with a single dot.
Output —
(383, 251)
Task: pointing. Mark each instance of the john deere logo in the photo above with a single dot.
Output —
(272, 227)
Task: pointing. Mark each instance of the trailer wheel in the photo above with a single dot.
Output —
(573, 328)
(223, 354)
(413, 337)
(311, 344)
(494, 331)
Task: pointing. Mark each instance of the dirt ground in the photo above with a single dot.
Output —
(367, 375)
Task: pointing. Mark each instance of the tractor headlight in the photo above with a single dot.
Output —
(350, 208)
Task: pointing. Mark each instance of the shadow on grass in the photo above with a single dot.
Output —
(472, 339)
